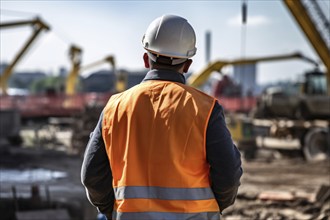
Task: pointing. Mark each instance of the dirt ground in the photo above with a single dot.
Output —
(281, 187)
(273, 186)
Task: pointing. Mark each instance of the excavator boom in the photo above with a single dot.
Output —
(75, 57)
(38, 26)
(199, 78)
(35, 22)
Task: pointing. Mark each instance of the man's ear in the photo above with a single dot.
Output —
(146, 60)
(187, 65)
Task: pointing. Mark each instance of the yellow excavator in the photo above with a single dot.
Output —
(311, 134)
(38, 26)
(315, 26)
(90, 103)
(10, 117)
(238, 102)
(199, 79)
(75, 53)
(312, 22)
(237, 123)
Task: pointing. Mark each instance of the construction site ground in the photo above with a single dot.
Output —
(275, 184)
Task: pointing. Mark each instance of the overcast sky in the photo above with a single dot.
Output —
(116, 28)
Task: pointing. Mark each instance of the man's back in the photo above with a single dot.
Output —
(155, 136)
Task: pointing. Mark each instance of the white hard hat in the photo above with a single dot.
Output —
(170, 36)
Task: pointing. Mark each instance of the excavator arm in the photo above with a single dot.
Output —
(38, 27)
(316, 27)
(75, 57)
(108, 59)
(198, 79)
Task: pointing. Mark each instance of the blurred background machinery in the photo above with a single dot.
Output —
(299, 113)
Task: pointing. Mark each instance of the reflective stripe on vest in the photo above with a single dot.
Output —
(166, 215)
(165, 193)
(172, 206)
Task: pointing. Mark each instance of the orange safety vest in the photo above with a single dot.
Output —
(155, 138)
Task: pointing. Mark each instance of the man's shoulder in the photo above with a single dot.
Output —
(127, 93)
(199, 93)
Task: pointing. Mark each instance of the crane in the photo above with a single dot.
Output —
(38, 26)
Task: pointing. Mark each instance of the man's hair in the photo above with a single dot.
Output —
(162, 62)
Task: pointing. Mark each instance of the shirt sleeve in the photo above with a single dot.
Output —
(224, 159)
(96, 173)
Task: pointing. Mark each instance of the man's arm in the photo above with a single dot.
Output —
(96, 174)
(224, 159)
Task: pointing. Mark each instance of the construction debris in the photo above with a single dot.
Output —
(283, 189)
(284, 206)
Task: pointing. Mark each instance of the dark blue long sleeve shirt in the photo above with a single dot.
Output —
(222, 155)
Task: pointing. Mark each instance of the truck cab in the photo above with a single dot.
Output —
(302, 100)
(314, 98)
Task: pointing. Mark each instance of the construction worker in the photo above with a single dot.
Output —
(161, 149)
